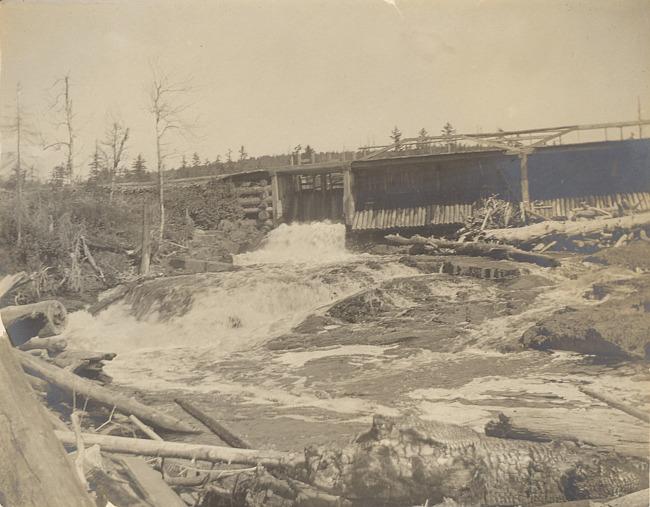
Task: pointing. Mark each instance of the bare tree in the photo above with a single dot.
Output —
(169, 104)
(61, 108)
(23, 133)
(115, 139)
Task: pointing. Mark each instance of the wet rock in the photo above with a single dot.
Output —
(592, 330)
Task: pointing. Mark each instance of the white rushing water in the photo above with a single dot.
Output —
(300, 269)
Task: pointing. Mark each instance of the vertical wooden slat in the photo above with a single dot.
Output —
(646, 200)
(357, 220)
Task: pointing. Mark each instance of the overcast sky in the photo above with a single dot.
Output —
(273, 74)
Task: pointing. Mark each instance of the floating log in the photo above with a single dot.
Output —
(222, 432)
(211, 453)
(608, 400)
(76, 385)
(34, 469)
(478, 249)
(52, 313)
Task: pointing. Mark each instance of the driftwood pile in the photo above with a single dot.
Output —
(531, 243)
(590, 230)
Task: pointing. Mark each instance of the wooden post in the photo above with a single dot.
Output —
(146, 242)
(275, 200)
(525, 195)
(34, 469)
(348, 196)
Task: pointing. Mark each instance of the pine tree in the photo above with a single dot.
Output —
(139, 169)
(396, 136)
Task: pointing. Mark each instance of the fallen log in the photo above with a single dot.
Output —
(478, 249)
(211, 453)
(34, 469)
(52, 316)
(222, 432)
(115, 296)
(643, 415)
(79, 386)
(549, 228)
(51, 344)
(84, 363)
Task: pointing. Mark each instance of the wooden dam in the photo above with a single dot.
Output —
(437, 181)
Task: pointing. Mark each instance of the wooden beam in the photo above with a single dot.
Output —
(348, 197)
(275, 199)
(525, 194)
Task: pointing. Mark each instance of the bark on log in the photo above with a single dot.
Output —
(478, 249)
(34, 469)
(73, 384)
(222, 432)
(211, 453)
(52, 314)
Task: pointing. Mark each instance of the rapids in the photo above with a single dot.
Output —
(215, 335)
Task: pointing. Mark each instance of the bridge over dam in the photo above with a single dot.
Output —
(435, 182)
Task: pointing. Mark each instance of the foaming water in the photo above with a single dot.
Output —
(301, 268)
(314, 243)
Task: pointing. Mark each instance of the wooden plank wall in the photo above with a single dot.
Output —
(422, 216)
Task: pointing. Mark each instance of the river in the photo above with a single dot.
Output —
(258, 349)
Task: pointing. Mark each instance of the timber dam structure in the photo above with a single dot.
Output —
(435, 181)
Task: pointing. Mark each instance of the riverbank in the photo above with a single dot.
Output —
(293, 354)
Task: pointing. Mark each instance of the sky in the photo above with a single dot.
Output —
(334, 74)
